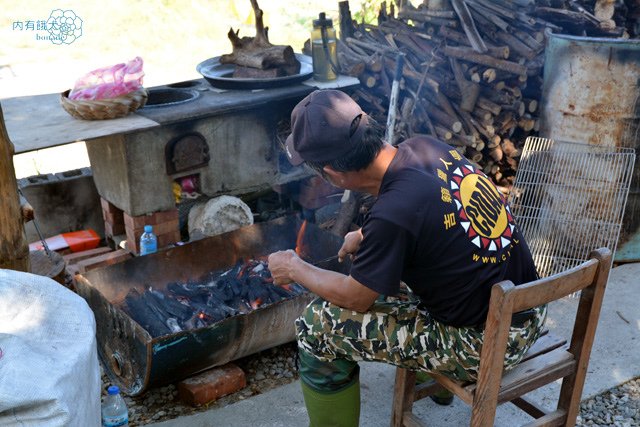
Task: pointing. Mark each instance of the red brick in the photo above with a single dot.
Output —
(137, 222)
(113, 218)
(79, 256)
(166, 227)
(103, 260)
(212, 384)
(109, 207)
(160, 228)
(133, 240)
(165, 216)
(111, 230)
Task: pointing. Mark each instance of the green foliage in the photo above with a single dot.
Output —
(368, 11)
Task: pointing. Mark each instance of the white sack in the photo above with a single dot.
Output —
(49, 371)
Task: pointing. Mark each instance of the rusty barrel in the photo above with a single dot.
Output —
(591, 95)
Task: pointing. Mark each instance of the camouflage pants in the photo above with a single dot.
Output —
(332, 340)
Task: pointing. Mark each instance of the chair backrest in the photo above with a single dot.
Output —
(590, 278)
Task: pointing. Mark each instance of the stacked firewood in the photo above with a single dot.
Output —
(472, 74)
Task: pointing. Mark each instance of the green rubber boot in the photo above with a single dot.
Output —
(444, 397)
(334, 409)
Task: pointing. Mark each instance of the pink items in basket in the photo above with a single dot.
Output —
(109, 82)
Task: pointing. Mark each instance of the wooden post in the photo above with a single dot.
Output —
(14, 249)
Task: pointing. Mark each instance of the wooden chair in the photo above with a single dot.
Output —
(547, 361)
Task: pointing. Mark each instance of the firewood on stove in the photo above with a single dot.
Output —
(257, 52)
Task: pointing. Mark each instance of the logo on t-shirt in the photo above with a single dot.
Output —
(482, 211)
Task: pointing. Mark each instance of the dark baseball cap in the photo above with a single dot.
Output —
(321, 127)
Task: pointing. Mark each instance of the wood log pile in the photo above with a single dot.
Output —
(472, 73)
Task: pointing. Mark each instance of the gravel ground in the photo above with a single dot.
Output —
(264, 371)
(619, 406)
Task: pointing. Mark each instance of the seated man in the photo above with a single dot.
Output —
(438, 224)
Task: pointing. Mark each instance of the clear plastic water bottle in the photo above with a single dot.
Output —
(148, 241)
(114, 410)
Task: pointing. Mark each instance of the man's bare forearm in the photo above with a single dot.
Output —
(332, 286)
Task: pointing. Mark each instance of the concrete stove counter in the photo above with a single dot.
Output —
(37, 122)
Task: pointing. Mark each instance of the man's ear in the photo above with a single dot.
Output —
(331, 172)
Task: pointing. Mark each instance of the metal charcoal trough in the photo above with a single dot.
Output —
(136, 360)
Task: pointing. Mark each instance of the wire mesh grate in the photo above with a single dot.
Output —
(569, 198)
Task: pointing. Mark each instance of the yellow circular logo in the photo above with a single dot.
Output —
(483, 206)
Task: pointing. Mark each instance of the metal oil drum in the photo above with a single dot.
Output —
(591, 95)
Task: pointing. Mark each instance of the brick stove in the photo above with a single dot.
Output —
(226, 139)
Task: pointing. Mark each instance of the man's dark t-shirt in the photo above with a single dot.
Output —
(443, 228)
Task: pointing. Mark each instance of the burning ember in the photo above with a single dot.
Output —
(197, 304)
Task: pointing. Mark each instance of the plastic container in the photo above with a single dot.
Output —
(148, 241)
(114, 410)
(323, 49)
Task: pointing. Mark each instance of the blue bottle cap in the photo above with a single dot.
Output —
(148, 228)
(114, 389)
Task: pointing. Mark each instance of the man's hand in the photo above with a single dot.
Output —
(279, 265)
(350, 245)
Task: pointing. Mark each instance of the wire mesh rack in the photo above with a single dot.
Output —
(569, 199)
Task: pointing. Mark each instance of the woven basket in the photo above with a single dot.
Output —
(101, 109)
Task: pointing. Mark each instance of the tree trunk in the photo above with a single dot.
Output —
(14, 249)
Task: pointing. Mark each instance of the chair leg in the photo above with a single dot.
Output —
(403, 395)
